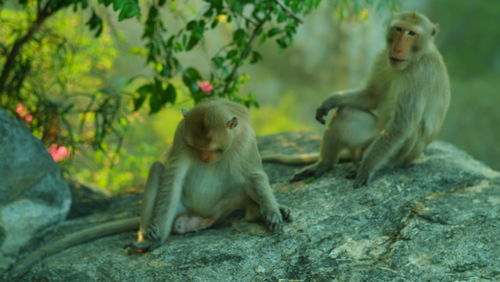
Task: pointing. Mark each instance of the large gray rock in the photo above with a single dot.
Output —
(33, 195)
(437, 220)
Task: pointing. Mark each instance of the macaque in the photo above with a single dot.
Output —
(212, 169)
(397, 113)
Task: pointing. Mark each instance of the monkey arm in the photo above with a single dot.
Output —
(156, 228)
(167, 201)
(407, 115)
(165, 197)
(260, 191)
(361, 99)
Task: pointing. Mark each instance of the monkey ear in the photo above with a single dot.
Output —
(435, 29)
(184, 111)
(232, 123)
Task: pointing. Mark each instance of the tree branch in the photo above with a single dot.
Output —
(232, 76)
(42, 15)
(288, 11)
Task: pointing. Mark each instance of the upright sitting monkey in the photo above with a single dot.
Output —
(396, 114)
(212, 169)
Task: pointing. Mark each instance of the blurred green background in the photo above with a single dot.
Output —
(331, 51)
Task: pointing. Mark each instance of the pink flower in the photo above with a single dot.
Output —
(21, 110)
(58, 153)
(23, 113)
(205, 86)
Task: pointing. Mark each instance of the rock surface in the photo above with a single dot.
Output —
(436, 220)
(33, 194)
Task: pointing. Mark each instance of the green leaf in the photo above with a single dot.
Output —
(239, 36)
(193, 40)
(144, 91)
(190, 77)
(127, 8)
(218, 61)
(274, 31)
(191, 25)
(171, 93)
(256, 57)
(95, 23)
(232, 54)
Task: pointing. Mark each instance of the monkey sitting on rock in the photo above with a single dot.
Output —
(395, 115)
(212, 169)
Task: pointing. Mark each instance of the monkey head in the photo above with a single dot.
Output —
(409, 35)
(208, 135)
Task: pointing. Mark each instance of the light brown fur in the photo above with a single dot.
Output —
(400, 109)
(212, 169)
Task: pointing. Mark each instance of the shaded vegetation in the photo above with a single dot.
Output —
(82, 74)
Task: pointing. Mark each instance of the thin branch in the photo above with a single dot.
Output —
(288, 11)
(42, 15)
(244, 54)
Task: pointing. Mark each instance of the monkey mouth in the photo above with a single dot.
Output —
(396, 60)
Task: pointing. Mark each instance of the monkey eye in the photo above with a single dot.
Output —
(398, 29)
(217, 150)
(412, 33)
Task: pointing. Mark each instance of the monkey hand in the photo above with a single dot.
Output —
(321, 112)
(286, 214)
(141, 247)
(303, 174)
(272, 218)
(314, 170)
(360, 180)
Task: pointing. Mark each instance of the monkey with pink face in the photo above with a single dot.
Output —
(390, 120)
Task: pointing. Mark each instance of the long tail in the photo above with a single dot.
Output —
(92, 233)
(299, 159)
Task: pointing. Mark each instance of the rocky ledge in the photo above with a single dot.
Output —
(435, 220)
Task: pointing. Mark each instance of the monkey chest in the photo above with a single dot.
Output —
(206, 185)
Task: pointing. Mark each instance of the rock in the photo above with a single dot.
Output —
(436, 220)
(33, 193)
(87, 200)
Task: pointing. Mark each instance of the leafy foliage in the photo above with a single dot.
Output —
(251, 22)
(59, 81)
(57, 73)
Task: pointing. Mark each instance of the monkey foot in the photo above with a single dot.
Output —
(304, 174)
(274, 219)
(351, 175)
(141, 247)
(360, 181)
(187, 222)
(286, 214)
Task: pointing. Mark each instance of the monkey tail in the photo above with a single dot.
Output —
(101, 230)
(299, 159)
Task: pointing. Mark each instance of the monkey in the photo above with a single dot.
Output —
(212, 169)
(398, 112)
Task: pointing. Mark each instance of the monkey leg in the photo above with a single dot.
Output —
(330, 148)
(150, 195)
(416, 151)
(252, 212)
(160, 207)
(188, 222)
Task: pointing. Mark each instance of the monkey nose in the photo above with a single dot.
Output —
(206, 158)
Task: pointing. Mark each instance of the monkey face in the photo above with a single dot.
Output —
(208, 135)
(403, 41)
(210, 156)
(207, 148)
